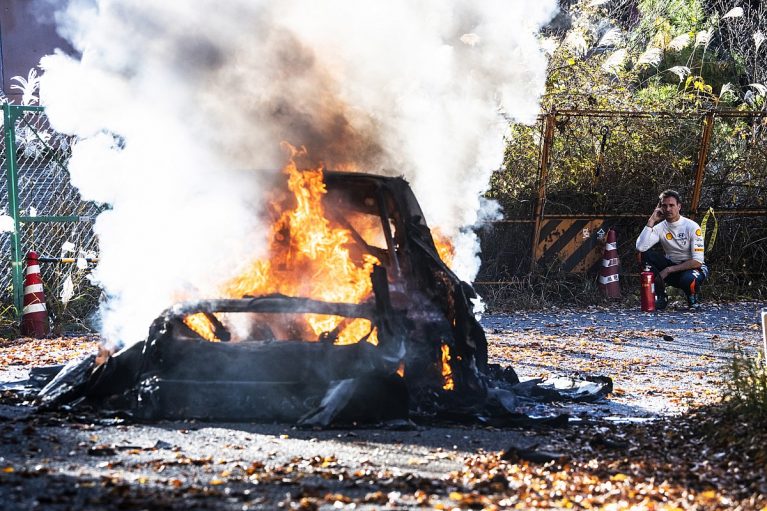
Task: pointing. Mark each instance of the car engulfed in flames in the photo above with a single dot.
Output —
(352, 316)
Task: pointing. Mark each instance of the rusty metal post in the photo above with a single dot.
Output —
(705, 144)
(543, 175)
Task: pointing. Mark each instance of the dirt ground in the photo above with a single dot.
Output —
(644, 447)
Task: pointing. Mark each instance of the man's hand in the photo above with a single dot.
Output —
(690, 264)
(657, 216)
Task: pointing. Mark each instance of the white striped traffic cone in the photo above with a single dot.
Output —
(609, 280)
(34, 316)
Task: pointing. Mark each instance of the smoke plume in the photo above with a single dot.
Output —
(180, 108)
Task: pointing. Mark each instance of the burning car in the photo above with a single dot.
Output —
(352, 317)
(409, 332)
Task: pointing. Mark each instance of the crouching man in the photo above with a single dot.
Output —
(682, 240)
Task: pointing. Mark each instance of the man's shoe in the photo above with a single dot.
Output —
(693, 303)
(661, 301)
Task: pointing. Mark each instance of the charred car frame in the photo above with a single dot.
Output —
(429, 360)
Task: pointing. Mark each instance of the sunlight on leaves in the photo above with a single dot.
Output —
(702, 38)
(759, 39)
(728, 89)
(576, 41)
(651, 57)
(615, 62)
(611, 38)
(679, 43)
(681, 71)
(735, 12)
(28, 87)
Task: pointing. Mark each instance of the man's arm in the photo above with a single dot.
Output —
(648, 237)
(690, 264)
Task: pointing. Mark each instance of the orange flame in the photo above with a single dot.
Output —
(447, 372)
(309, 257)
(202, 325)
(445, 248)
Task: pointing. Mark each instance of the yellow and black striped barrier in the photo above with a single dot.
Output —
(575, 242)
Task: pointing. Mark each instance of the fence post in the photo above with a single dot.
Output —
(705, 144)
(543, 175)
(10, 115)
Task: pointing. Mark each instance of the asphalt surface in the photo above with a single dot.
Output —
(661, 364)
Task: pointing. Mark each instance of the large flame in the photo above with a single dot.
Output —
(309, 257)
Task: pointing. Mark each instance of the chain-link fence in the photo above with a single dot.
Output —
(565, 178)
(575, 172)
(45, 211)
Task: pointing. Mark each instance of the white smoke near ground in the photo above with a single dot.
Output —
(177, 105)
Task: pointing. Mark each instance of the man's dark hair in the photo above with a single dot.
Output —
(665, 194)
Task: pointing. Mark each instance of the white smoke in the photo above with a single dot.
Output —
(177, 102)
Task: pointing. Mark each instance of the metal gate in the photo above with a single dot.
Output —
(46, 212)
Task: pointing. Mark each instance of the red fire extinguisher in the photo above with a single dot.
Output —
(648, 289)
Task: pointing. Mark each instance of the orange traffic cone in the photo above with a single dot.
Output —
(609, 280)
(34, 316)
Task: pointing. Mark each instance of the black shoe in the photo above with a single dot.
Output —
(661, 301)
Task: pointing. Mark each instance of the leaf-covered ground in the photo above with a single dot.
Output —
(669, 464)
(661, 443)
(25, 352)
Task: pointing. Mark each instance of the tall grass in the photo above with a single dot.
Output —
(77, 314)
(546, 289)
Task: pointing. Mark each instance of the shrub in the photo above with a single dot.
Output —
(745, 389)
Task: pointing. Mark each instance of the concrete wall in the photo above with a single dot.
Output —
(24, 38)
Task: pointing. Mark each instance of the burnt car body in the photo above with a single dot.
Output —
(420, 309)
(436, 303)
